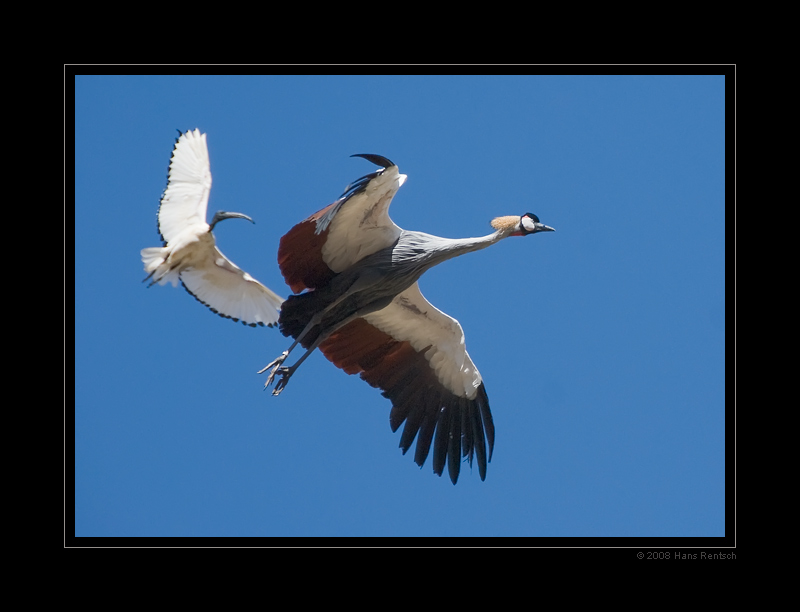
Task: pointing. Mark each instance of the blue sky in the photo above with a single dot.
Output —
(602, 345)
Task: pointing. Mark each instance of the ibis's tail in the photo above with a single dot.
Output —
(157, 268)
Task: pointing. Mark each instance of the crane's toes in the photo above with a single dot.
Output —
(271, 376)
(274, 365)
(285, 373)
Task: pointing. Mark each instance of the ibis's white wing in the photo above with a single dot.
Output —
(231, 292)
(336, 237)
(185, 199)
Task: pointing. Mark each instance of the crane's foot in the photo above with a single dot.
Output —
(274, 365)
(286, 374)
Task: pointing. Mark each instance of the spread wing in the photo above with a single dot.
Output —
(185, 200)
(416, 354)
(231, 292)
(190, 251)
(339, 235)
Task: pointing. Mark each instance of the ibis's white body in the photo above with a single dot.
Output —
(190, 253)
(194, 247)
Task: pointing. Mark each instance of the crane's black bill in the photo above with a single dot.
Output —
(221, 215)
(378, 160)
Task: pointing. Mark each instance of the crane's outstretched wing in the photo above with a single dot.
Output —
(231, 292)
(416, 354)
(185, 200)
(333, 239)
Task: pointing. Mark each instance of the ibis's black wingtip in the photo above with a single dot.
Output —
(378, 160)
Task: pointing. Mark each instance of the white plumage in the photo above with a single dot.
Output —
(190, 253)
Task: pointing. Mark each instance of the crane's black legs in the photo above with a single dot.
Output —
(286, 372)
(276, 364)
(315, 320)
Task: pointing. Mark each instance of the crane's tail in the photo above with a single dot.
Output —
(157, 268)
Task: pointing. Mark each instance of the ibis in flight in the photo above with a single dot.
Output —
(362, 307)
(190, 253)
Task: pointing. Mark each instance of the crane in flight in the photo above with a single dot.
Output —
(363, 309)
(190, 253)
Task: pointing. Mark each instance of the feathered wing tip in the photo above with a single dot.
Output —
(250, 321)
(505, 223)
(449, 427)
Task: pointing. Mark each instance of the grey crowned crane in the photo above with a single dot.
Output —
(190, 253)
(364, 311)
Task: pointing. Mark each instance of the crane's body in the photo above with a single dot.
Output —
(190, 254)
(365, 312)
(373, 282)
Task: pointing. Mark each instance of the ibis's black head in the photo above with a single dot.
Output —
(530, 224)
(378, 160)
(221, 215)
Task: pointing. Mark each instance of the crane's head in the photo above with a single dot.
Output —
(221, 215)
(520, 226)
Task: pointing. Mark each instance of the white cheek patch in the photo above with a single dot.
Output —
(527, 224)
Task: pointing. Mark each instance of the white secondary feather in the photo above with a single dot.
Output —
(410, 317)
(362, 225)
(190, 254)
(230, 291)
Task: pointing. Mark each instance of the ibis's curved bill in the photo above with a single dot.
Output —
(190, 253)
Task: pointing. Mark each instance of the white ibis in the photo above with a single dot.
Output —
(364, 311)
(190, 253)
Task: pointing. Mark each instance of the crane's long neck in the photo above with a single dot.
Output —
(391, 270)
(428, 251)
